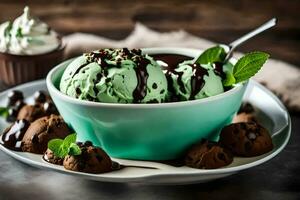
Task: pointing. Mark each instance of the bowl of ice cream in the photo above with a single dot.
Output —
(135, 105)
(29, 48)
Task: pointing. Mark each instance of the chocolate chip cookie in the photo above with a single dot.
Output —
(41, 131)
(246, 139)
(91, 160)
(208, 155)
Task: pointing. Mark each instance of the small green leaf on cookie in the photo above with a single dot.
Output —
(61, 148)
(74, 150)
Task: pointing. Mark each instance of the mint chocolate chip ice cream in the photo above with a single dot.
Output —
(115, 76)
(191, 81)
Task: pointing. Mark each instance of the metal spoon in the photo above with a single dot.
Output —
(233, 45)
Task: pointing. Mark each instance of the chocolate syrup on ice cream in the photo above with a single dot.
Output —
(172, 61)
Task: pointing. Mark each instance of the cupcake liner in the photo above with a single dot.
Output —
(17, 69)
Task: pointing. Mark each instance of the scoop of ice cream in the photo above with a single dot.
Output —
(27, 35)
(91, 160)
(191, 81)
(115, 76)
(41, 131)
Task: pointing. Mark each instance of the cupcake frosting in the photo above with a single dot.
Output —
(27, 35)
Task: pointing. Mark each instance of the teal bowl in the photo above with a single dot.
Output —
(146, 131)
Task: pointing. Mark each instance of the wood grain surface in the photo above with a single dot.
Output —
(218, 20)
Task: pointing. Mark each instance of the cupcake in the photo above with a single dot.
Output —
(29, 48)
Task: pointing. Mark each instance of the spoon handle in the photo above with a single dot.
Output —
(251, 34)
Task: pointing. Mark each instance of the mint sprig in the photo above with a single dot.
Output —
(249, 65)
(3, 112)
(211, 55)
(245, 68)
(62, 148)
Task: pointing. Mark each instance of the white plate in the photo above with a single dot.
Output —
(270, 112)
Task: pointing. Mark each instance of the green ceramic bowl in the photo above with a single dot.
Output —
(146, 131)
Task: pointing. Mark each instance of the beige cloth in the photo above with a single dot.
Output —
(282, 78)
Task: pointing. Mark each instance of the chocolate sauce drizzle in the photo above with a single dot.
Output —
(218, 69)
(12, 137)
(180, 83)
(197, 80)
(142, 76)
(103, 55)
(172, 61)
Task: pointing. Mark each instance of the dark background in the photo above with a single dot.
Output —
(221, 21)
(218, 20)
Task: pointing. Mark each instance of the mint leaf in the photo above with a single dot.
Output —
(61, 148)
(211, 55)
(55, 145)
(3, 112)
(74, 150)
(249, 65)
(229, 80)
(69, 140)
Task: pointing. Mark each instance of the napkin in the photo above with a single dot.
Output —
(280, 77)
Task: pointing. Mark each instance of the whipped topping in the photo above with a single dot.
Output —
(27, 35)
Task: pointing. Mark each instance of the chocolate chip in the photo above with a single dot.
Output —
(99, 158)
(98, 77)
(80, 144)
(107, 80)
(154, 86)
(221, 156)
(88, 143)
(78, 91)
